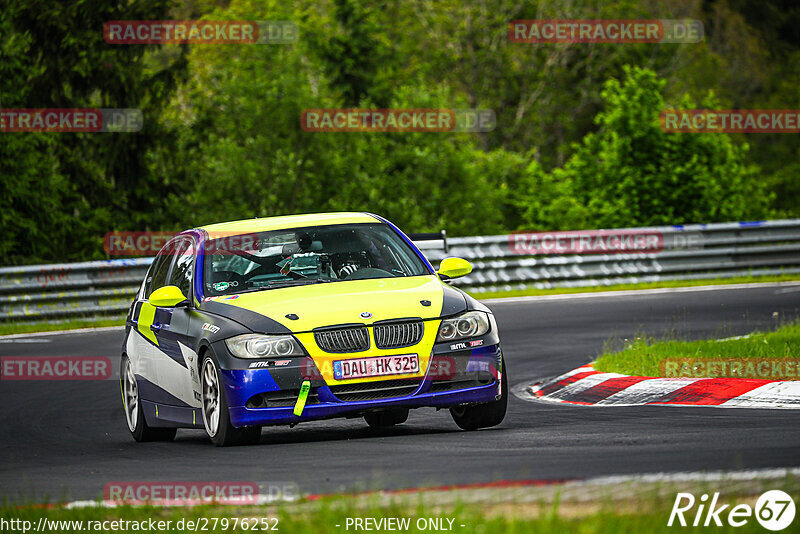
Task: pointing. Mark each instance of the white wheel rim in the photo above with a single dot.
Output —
(130, 396)
(210, 398)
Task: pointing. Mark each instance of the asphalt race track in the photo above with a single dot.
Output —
(66, 440)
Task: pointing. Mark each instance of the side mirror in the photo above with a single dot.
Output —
(167, 297)
(453, 268)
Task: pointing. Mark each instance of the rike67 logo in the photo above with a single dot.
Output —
(774, 510)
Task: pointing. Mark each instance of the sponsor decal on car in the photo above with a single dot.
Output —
(271, 363)
(466, 344)
(211, 328)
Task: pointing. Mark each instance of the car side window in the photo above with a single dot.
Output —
(160, 269)
(181, 274)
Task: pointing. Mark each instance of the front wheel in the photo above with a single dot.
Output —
(484, 415)
(216, 417)
(134, 415)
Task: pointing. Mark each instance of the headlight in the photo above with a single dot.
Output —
(261, 346)
(469, 324)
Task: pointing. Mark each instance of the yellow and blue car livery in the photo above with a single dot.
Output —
(282, 320)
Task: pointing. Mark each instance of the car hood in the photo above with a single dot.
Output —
(343, 302)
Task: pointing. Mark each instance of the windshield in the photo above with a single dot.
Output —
(281, 258)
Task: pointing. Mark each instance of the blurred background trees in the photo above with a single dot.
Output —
(577, 143)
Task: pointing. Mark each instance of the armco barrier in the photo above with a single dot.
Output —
(102, 288)
(689, 252)
(95, 288)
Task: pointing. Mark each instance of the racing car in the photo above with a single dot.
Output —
(282, 320)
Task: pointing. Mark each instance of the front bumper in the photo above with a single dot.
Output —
(452, 378)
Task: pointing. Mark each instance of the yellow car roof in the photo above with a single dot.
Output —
(288, 221)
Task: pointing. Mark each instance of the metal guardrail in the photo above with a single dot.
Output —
(690, 252)
(103, 288)
(63, 290)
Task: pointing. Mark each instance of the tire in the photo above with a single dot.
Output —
(216, 418)
(132, 404)
(386, 418)
(484, 415)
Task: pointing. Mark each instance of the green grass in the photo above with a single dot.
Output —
(532, 291)
(330, 516)
(643, 355)
(72, 324)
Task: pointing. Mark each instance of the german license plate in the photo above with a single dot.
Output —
(398, 364)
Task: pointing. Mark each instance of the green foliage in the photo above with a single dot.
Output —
(33, 188)
(632, 173)
(245, 154)
(67, 190)
(577, 143)
(355, 58)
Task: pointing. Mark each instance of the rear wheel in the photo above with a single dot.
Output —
(216, 417)
(134, 415)
(484, 415)
(386, 418)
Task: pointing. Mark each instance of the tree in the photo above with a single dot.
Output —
(357, 60)
(632, 173)
(54, 56)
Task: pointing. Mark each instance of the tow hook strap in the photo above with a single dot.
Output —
(301, 399)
